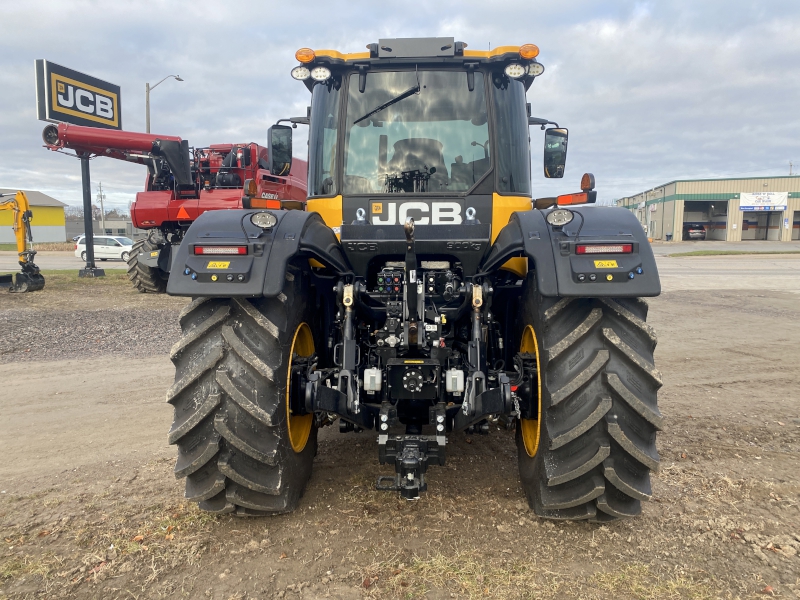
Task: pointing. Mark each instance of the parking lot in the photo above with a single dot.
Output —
(89, 507)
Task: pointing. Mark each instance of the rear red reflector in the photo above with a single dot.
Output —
(259, 203)
(566, 199)
(604, 248)
(220, 250)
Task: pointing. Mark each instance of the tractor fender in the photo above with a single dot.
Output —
(259, 272)
(158, 259)
(552, 253)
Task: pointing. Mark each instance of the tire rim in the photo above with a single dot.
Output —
(531, 428)
(299, 426)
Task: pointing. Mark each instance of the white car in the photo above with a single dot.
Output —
(105, 247)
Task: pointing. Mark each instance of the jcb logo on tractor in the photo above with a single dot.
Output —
(423, 213)
(361, 246)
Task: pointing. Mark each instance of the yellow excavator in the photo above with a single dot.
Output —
(29, 279)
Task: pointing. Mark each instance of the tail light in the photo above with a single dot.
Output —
(220, 250)
(261, 203)
(603, 248)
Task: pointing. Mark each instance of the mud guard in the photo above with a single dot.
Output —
(259, 272)
(159, 259)
(558, 267)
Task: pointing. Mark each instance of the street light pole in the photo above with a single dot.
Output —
(147, 89)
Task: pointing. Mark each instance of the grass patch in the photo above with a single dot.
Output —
(730, 252)
(637, 581)
(470, 575)
(65, 280)
(44, 246)
(26, 565)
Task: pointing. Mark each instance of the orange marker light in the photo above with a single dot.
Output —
(529, 51)
(305, 55)
(573, 199)
(587, 182)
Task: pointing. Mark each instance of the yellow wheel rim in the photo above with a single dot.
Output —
(299, 426)
(531, 428)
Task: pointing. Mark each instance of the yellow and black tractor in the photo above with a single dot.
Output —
(29, 279)
(419, 292)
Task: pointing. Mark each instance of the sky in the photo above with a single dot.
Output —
(650, 91)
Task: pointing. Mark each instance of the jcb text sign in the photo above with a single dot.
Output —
(64, 95)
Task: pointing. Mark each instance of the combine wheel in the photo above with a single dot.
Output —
(590, 452)
(239, 447)
(144, 278)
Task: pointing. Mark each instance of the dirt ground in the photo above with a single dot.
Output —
(89, 507)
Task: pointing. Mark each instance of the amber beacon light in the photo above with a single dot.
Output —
(528, 51)
(305, 55)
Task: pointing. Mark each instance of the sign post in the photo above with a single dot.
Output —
(90, 270)
(64, 95)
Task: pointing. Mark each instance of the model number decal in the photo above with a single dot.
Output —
(475, 246)
(605, 264)
(218, 264)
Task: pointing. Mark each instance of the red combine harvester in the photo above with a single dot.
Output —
(182, 183)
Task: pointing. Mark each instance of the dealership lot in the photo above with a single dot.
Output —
(89, 506)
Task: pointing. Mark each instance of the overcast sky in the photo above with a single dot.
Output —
(650, 91)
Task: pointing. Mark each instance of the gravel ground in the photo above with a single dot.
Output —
(35, 335)
(90, 508)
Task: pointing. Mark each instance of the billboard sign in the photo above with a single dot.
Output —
(763, 201)
(64, 95)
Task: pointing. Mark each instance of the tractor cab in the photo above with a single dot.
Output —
(423, 129)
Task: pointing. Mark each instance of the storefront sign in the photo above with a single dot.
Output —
(764, 201)
(64, 95)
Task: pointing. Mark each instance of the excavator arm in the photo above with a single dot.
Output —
(29, 279)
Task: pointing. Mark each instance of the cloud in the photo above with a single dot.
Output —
(651, 91)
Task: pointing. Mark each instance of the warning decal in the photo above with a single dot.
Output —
(605, 264)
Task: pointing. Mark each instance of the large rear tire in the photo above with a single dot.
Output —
(239, 447)
(590, 452)
(146, 279)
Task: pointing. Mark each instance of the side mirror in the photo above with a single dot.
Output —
(555, 152)
(279, 145)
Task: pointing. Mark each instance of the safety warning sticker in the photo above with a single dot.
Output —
(605, 264)
(218, 264)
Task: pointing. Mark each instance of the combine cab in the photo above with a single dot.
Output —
(421, 294)
(182, 183)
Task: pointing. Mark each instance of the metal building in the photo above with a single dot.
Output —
(752, 208)
(48, 223)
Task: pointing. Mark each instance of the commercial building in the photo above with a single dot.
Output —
(115, 226)
(733, 210)
(48, 223)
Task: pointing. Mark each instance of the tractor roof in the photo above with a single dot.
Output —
(413, 50)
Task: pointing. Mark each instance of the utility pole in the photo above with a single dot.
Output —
(101, 196)
(790, 168)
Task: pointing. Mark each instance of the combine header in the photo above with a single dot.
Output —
(181, 184)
